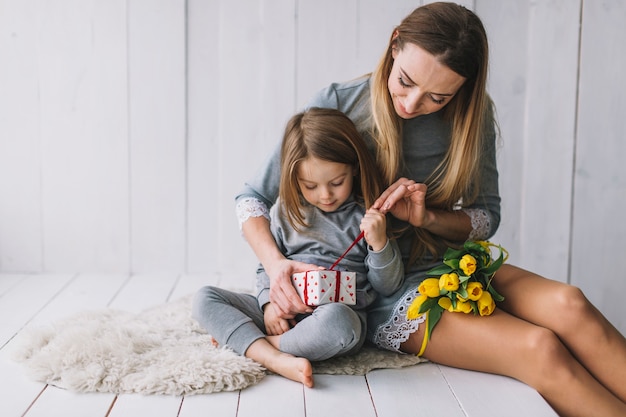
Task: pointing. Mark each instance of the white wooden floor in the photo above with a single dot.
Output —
(421, 390)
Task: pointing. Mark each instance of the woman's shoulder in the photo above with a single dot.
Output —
(343, 95)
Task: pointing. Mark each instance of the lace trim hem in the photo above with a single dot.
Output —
(481, 223)
(250, 207)
(391, 334)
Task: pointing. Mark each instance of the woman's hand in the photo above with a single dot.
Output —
(283, 296)
(374, 226)
(406, 200)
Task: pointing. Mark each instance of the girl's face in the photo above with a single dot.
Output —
(419, 84)
(324, 184)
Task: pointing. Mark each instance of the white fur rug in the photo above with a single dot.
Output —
(159, 351)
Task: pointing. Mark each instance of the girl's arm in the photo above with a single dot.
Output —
(385, 270)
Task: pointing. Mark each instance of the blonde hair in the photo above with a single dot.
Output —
(329, 135)
(456, 37)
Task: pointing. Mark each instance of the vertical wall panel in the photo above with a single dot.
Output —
(156, 53)
(256, 96)
(20, 141)
(376, 21)
(599, 228)
(82, 70)
(327, 40)
(202, 119)
(549, 118)
(506, 24)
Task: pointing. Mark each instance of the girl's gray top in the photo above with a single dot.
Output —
(327, 238)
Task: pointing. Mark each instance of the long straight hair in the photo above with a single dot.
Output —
(456, 37)
(328, 135)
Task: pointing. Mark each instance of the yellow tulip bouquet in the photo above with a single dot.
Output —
(461, 284)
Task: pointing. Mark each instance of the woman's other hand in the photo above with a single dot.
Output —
(406, 200)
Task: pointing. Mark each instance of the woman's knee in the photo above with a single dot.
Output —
(546, 359)
(571, 307)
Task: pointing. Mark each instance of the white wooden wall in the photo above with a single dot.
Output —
(127, 126)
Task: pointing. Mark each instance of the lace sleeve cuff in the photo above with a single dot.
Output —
(250, 207)
(481, 223)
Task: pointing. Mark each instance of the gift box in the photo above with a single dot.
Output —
(325, 286)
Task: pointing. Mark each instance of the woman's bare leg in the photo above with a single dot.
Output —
(564, 309)
(504, 345)
(289, 366)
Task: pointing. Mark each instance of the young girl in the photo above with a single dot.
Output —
(327, 179)
(427, 118)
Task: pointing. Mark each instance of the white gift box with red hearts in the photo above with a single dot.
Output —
(325, 286)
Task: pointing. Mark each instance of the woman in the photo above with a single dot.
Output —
(429, 122)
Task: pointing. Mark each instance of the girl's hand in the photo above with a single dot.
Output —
(283, 296)
(406, 200)
(274, 325)
(374, 225)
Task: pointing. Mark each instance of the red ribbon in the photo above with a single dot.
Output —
(359, 237)
(337, 283)
(337, 273)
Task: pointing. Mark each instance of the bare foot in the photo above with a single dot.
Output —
(292, 367)
(284, 364)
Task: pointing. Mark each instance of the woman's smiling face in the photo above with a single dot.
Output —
(419, 84)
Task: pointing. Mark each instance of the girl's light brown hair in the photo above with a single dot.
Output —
(456, 37)
(329, 135)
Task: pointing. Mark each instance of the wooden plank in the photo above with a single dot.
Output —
(339, 395)
(494, 395)
(415, 390)
(189, 284)
(216, 404)
(24, 301)
(259, 400)
(23, 391)
(600, 181)
(146, 405)
(85, 292)
(70, 404)
(8, 281)
(143, 291)
(20, 141)
(156, 45)
(83, 127)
